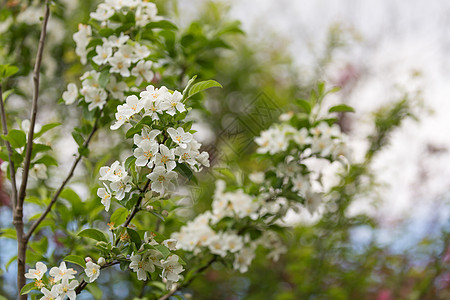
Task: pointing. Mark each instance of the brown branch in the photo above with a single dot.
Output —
(136, 207)
(18, 212)
(63, 184)
(12, 170)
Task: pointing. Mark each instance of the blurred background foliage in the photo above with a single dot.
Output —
(337, 257)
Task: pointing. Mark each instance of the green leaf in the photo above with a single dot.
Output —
(78, 138)
(163, 24)
(28, 288)
(119, 216)
(46, 128)
(16, 138)
(304, 105)
(103, 79)
(47, 160)
(184, 170)
(341, 108)
(227, 173)
(10, 262)
(135, 238)
(163, 249)
(7, 71)
(129, 162)
(189, 84)
(76, 260)
(6, 94)
(39, 148)
(201, 86)
(93, 234)
(8, 233)
(74, 199)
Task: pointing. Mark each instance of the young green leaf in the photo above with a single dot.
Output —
(28, 288)
(163, 249)
(7, 71)
(201, 86)
(46, 128)
(163, 24)
(119, 216)
(304, 105)
(76, 260)
(16, 138)
(93, 234)
(341, 108)
(47, 160)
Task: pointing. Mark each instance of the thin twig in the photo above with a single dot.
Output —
(187, 283)
(18, 212)
(12, 170)
(34, 106)
(136, 207)
(63, 184)
(84, 283)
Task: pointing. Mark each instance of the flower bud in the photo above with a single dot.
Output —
(101, 261)
(149, 207)
(164, 213)
(88, 259)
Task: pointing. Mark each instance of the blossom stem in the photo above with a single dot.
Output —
(18, 212)
(84, 283)
(187, 283)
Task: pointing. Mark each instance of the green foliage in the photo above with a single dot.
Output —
(93, 234)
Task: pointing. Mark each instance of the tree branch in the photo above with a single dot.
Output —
(18, 212)
(136, 207)
(12, 170)
(63, 184)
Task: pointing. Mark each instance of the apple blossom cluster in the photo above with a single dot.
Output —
(148, 259)
(287, 182)
(202, 233)
(61, 282)
(158, 150)
(302, 148)
(115, 56)
(323, 140)
(115, 51)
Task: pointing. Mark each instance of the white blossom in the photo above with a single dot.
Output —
(162, 180)
(71, 94)
(67, 288)
(173, 103)
(103, 12)
(117, 88)
(92, 271)
(171, 268)
(171, 244)
(51, 295)
(105, 194)
(145, 153)
(141, 264)
(104, 52)
(120, 64)
(142, 71)
(62, 272)
(180, 137)
(165, 157)
(37, 273)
